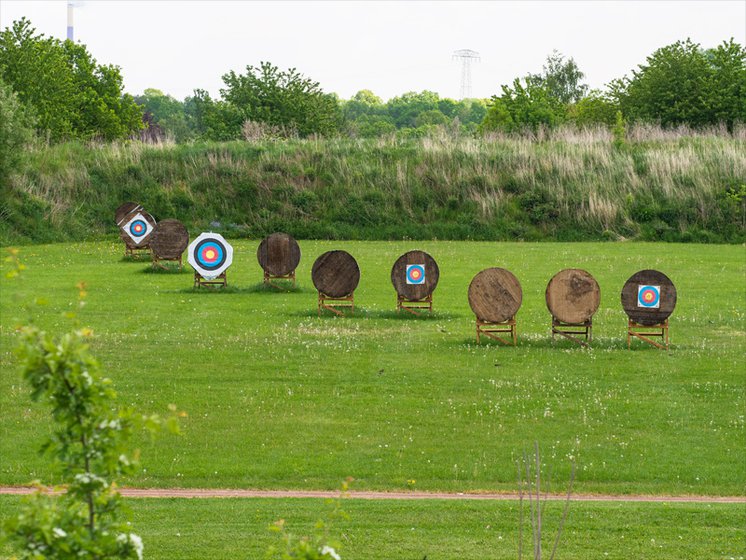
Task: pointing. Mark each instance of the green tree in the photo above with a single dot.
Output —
(525, 106)
(209, 119)
(166, 112)
(101, 108)
(684, 84)
(36, 68)
(282, 98)
(432, 117)
(727, 86)
(16, 130)
(405, 109)
(71, 95)
(364, 102)
(371, 126)
(594, 109)
(561, 79)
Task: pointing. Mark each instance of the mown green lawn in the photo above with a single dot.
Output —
(278, 398)
(438, 530)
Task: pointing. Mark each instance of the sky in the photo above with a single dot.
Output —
(389, 47)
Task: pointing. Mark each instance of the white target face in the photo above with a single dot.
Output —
(648, 297)
(415, 274)
(138, 228)
(210, 255)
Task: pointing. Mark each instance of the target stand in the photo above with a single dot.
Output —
(220, 281)
(413, 306)
(572, 331)
(136, 252)
(269, 277)
(336, 304)
(158, 262)
(644, 331)
(648, 298)
(494, 330)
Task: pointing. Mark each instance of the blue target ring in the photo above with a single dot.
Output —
(648, 297)
(415, 274)
(210, 254)
(138, 228)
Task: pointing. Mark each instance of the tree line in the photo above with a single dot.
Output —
(57, 89)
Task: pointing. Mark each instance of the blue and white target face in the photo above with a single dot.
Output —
(649, 297)
(415, 274)
(210, 255)
(138, 228)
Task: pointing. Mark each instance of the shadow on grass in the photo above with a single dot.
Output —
(136, 258)
(388, 315)
(253, 289)
(547, 343)
(166, 269)
(278, 287)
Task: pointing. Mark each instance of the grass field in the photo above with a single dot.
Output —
(278, 398)
(238, 529)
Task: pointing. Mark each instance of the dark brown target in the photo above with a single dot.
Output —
(649, 297)
(169, 239)
(128, 241)
(573, 295)
(278, 254)
(335, 274)
(123, 210)
(495, 295)
(415, 275)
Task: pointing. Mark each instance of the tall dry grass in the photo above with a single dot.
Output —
(553, 184)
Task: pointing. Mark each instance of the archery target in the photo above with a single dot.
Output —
(649, 296)
(210, 255)
(138, 228)
(415, 274)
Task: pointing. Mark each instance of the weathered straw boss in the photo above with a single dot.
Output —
(648, 299)
(415, 276)
(168, 242)
(210, 255)
(495, 295)
(278, 255)
(135, 227)
(572, 297)
(336, 275)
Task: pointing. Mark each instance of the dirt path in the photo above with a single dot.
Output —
(366, 495)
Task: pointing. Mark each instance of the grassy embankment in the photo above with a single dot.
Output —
(570, 186)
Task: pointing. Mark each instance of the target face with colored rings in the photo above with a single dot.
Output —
(138, 228)
(415, 274)
(648, 296)
(210, 255)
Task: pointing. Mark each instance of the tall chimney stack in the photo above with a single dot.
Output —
(70, 21)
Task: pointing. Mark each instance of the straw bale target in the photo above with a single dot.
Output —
(335, 274)
(648, 297)
(136, 228)
(573, 296)
(278, 254)
(495, 295)
(125, 209)
(169, 240)
(415, 275)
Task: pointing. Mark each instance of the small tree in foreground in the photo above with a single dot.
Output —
(89, 440)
